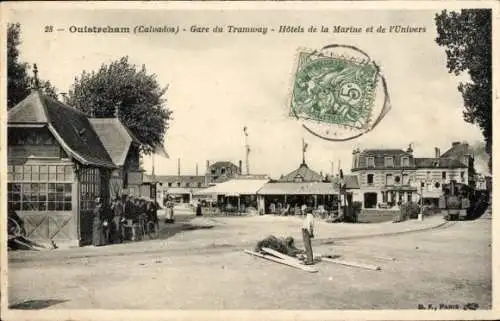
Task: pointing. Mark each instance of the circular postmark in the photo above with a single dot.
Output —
(338, 92)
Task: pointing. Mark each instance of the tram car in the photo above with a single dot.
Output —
(455, 201)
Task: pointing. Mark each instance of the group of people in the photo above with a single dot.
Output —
(110, 220)
(286, 209)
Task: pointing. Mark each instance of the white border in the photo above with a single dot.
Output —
(7, 10)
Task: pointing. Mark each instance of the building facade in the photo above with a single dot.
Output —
(179, 187)
(221, 171)
(388, 177)
(385, 176)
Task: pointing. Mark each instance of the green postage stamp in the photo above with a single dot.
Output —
(334, 90)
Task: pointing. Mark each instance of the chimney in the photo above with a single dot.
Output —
(410, 149)
(455, 144)
(239, 167)
(207, 172)
(437, 152)
(178, 167)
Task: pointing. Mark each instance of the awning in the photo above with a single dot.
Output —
(288, 188)
(234, 187)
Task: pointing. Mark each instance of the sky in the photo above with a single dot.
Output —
(219, 83)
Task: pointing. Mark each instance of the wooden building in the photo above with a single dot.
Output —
(57, 167)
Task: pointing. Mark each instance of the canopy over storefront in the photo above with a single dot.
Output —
(312, 188)
(235, 187)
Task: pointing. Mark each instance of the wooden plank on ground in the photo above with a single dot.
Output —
(285, 262)
(383, 258)
(280, 255)
(353, 264)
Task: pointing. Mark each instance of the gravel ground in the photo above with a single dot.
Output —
(443, 266)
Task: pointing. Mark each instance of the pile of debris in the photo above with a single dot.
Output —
(17, 239)
(283, 251)
(282, 245)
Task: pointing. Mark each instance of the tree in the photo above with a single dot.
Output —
(134, 93)
(19, 83)
(467, 38)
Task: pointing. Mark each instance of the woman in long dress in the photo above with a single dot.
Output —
(98, 235)
(198, 208)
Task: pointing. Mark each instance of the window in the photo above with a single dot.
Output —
(34, 136)
(389, 161)
(405, 161)
(437, 185)
(222, 170)
(169, 184)
(199, 185)
(409, 197)
(370, 161)
(443, 175)
(389, 180)
(187, 185)
(406, 179)
(213, 171)
(90, 187)
(397, 179)
(32, 188)
(370, 179)
(298, 178)
(178, 184)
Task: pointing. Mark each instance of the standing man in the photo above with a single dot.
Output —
(307, 235)
(118, 211)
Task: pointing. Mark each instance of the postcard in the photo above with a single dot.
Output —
(248, 160)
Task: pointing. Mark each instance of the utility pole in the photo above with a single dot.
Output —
(247, 150)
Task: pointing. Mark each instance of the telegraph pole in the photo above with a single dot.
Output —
(247, 150)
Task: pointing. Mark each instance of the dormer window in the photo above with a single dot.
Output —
(389, 161)
(370, 161)
(405, 161)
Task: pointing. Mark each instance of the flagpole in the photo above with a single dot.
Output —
(303, 152)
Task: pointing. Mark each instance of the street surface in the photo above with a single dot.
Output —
(206, 268)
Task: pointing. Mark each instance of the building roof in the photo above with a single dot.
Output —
(115, 137)
(70, 127)
(304, 173)
(175, 178)
(223, 178)
(438, 163)
(384, 151)
(458, 150)
(351, 181)
(304, 188)
(235, 187)
(222, 164)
